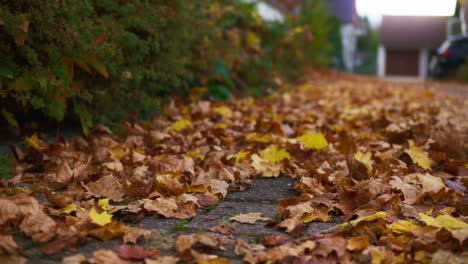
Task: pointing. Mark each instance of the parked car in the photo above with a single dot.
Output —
(450, 56)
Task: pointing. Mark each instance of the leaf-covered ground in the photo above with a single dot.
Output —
(389, 159)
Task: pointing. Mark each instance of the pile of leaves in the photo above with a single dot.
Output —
(388, 159)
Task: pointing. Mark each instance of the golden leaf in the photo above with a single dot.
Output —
(109, 231)
(223, 110)
(180, 125)
(402, 226)
(34, 142)
(275, 155)
(418, 156)
(239, 156)
(446, 221)
(104, 203)
(70, 209)
(365, 158)
(358, 243)
(100, 219)
(254, 137)
(313, 141)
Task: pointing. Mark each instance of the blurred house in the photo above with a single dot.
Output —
(408, 42)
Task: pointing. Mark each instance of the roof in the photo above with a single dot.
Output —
(413, 32)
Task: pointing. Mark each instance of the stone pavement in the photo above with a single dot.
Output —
(261, 197)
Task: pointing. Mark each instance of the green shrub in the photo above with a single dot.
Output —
(5, 164)
(107, 60)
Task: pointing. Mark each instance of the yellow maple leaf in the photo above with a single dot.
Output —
(275, 155)
(313, 141)
(239, 156)
(402, 226)
(104, 203)
(418, 156)
(180, 125)
(446, 221)
(35, 143)
(100, 219)
(70, 209)
(365, 158)
(254, 137)
(223, 110)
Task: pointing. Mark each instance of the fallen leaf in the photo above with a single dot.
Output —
(239, 156)
(114, 165)
(105, 256)
(418, 156)
(365, 158)
(108, 231)
(8, 245)
(249, 218)
(223, 110)
(35, 143)
(180, 125)
(100, 219)
(313, 141)
(272, 240)
(132, 234)
(446, 221)
(266, 168)
(75, 259)
(358, 243)
(275, 155)
(135, 252)
(162, 260)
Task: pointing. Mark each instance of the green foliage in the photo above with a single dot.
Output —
(109, 60)
(368, 45)
(5, 164)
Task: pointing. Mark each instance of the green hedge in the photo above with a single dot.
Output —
(121, 58)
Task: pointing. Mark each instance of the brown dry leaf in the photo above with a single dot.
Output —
(12, 259)
(105, 256)
(162, 260)
(109, 231)
(168, 207)
(75, 259)
(264, 167)
(249, 218)
(115, 165)
(272, 240)
(169, 184)
(132, 234)
(107, 186)
(410, 192)
(358, 243)
(217, 187)
(132, 252)
(442, 256)
(185, 242)
(8, 245)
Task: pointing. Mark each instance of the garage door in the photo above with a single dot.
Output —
(402, 63)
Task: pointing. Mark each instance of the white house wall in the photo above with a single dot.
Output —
(381, 61)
